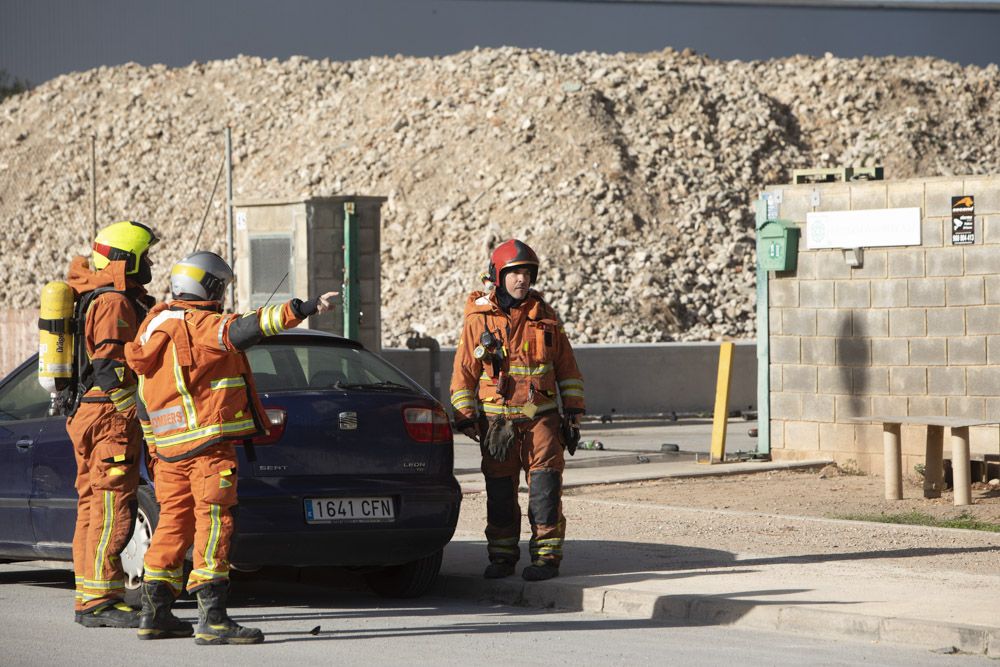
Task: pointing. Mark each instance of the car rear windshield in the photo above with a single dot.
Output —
(294, 366)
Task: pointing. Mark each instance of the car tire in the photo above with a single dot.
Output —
(146, 518)
(409, 580)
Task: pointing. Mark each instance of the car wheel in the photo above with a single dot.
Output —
(146, 517)
(409, 580)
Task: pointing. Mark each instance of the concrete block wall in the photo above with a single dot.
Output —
(19, 334)
(915, 330)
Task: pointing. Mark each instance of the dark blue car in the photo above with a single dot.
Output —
(357, 471)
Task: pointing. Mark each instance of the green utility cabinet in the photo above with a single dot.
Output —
(777, 246)
(306, 246)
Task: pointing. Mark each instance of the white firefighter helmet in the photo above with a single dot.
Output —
(201, 276)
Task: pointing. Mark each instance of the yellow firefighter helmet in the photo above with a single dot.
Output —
(126, 241)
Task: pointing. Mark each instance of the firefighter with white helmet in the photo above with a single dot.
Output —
(197, 400)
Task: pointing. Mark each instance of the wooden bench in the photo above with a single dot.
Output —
(934, 453)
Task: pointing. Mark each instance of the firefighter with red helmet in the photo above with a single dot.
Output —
(513, 368)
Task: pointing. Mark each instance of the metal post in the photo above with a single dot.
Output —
(763, 347)
(93, 184)
(721, 419)
(351, 286)
(893, 456)
(229, 214)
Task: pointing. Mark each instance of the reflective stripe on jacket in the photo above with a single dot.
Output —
(195, 384)
(538, 358)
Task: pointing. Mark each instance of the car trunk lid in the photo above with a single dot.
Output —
(351, 432)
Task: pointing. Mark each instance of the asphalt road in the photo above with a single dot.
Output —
(313, 622)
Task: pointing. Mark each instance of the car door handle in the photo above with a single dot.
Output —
(24, 444)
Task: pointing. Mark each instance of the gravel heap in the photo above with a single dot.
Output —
(632, 175)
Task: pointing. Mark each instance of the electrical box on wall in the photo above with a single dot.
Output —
(777, 246)
(301, 248)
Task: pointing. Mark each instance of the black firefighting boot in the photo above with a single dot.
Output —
(157, 621)
(214, 624)
(499, 569)
(540, 570)
(111, 615)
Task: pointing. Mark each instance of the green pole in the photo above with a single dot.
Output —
(351, 289)
(763, 344)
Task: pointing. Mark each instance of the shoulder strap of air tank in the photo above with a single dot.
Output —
(81, 360)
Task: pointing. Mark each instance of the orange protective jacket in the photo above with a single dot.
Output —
(111, 321)
(536, 356)
(195, 384)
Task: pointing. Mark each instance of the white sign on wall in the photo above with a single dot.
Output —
(863, 229)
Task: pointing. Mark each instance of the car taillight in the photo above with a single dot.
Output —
(425, 424)
(275, 424)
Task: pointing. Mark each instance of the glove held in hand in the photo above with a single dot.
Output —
(500, 438)
(570, 434)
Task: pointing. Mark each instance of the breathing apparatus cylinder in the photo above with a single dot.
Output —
(55, 337)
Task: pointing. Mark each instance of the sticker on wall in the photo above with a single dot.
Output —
(772, 201)
(963, 220)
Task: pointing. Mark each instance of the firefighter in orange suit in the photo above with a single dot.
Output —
(197, 399)
(513, 366)
(107, 440)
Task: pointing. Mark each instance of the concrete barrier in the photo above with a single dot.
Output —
(631, 379)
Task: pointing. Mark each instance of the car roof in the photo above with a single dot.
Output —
(300, 335)
(314, 334)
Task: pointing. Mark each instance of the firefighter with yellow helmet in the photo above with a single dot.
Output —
(110, 302)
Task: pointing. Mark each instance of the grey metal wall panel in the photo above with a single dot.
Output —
(632, 379)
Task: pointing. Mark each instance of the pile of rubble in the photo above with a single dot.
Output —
(632, 175)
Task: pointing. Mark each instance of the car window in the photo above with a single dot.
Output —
(296, 366)
(23, 398)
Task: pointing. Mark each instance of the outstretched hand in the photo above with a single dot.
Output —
(325, 302)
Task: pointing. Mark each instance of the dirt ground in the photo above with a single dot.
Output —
(826, 493)
(786, 513)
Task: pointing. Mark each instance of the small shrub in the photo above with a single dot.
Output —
(850, 467)
(11, 85)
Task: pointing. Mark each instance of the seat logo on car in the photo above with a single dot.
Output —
(348, 421)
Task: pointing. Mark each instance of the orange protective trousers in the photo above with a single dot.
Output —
(538, 451)
(195, 496)
(108, 446)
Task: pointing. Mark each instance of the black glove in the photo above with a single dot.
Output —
(500, 438)
(469, 427)
(304, 309)
(570, 434)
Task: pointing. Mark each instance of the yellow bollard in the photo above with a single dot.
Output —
(720, 421)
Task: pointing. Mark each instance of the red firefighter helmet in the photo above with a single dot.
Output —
(510, 254)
